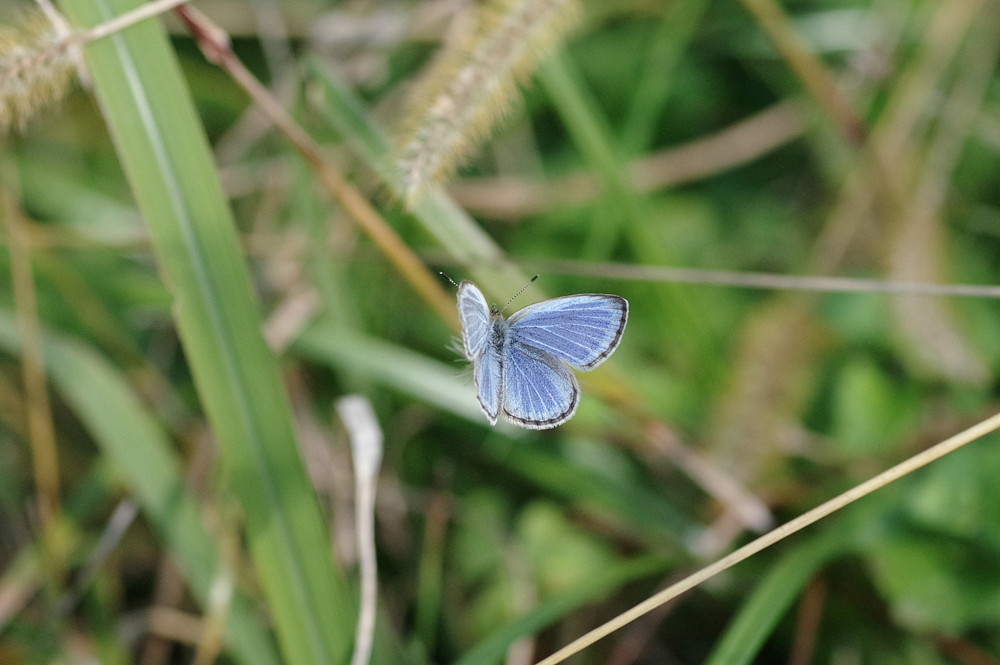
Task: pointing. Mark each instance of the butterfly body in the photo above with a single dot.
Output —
(522, 364)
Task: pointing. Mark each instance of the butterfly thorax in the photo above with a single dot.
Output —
(498, 337)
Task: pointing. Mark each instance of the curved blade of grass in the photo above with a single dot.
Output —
(645, 512)
(772, 598)
(493, 649)
(166, 158)
(680, 315)
(450, 389)
(139, 450)
(403, 370)
(669, 40)
(448, 224)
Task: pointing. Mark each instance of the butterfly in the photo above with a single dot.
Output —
(522, 364)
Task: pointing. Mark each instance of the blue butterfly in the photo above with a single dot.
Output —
(522, 364)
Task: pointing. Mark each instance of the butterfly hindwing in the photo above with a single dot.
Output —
(539, 390)
(583, 329)
(489, 375)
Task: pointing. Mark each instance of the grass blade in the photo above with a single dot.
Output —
(165, 155)
(138, 449)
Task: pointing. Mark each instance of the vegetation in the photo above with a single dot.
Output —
(797, 200)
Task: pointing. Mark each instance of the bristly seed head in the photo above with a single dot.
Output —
(473, 83)
(36, 69)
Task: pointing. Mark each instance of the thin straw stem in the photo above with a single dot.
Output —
(785, 530)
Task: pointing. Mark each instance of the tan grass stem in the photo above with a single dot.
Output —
(887, 477)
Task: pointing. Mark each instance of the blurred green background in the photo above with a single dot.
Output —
(153, 450)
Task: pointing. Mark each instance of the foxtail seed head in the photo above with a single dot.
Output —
(473, 83)
(36, 69)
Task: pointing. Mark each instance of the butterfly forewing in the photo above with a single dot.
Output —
(583, 329)
(477, 338)
(539, 390)
(474, 314)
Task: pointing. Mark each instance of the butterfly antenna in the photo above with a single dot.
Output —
(523, 289)
(448, 278)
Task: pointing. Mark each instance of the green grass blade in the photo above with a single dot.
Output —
(410, 373)
(628, 212)
(647, 513)
(667, 44)
(165, 155)
(773, 597)
(139, 451)
(448, 224)
(493, 649)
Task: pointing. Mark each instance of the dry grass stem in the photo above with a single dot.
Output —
(366, 453)
(769, 539)
(510, 198)
(41, 431)
(214, 42)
